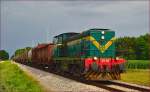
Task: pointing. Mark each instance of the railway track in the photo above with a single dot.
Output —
(113, 86)
(119, 86)
(104, 86)
(130, 86)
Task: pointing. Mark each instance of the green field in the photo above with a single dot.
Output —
(138, 64)
(13, 79)
(137, 76)
(137, 71)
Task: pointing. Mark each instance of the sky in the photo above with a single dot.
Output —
(27, 23)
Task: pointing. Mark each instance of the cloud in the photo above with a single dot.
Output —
(27, 23)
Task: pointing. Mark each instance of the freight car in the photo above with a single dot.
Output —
(90, 55)
(42, 54)
(24, 57)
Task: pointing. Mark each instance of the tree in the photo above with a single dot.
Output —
(142, 48)
(21, 51)
(133, 47)
(4, 55)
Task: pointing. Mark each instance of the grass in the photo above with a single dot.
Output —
(13, 79)
(138, 64)
(137, 76)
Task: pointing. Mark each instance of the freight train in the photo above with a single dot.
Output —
(89, 55)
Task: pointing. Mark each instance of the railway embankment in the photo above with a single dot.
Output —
(57, 83)
(62, 83)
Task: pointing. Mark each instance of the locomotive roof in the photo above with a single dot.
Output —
(85, 33)
(68, 33)
(99, 29)
(93, 29)
(43, 45)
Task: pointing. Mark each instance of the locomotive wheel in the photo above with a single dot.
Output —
(75, 70)
(57, 68)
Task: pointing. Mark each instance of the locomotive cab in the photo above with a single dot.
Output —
(60, 44)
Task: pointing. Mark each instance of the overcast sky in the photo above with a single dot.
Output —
(27, 23)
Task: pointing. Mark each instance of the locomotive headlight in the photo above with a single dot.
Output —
(95, 58)
(117, 58)
(102, 37)
(59, 44)
(103, 32)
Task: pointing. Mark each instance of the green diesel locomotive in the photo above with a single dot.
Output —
(90, 54)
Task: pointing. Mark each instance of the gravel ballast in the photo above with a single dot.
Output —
(52, 82)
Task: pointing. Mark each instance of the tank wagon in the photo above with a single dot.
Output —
(23, 58)
(90, 55)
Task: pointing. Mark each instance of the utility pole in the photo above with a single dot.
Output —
(32, 43)
(47, 35)
(0, 37)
